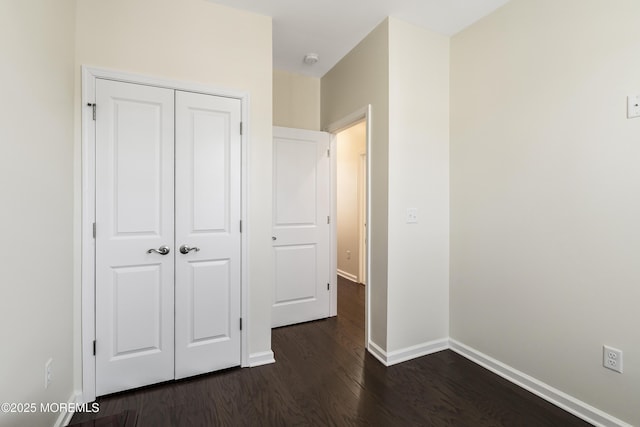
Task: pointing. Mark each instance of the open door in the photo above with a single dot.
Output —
(301, 226)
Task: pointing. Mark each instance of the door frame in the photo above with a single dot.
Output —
(362, 114)
(88, 197)
(362, 220)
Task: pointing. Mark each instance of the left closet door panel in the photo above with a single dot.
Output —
(135, 220)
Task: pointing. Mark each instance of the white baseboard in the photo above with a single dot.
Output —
(562, 400)
(405, 354)
(65, 417)
(347, 276)
(413, 352)
(378, 352)
(259, 359)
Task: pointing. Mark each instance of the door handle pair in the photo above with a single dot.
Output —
(164, 250)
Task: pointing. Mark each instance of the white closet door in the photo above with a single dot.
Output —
(208, 230)
(134, 214)
(301, 232)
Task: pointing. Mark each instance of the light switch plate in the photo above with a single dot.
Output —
(412, 215)
(633, 106)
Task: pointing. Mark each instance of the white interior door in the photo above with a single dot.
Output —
(301, 232)
(208, 230)
(167, 275)
(134, 214)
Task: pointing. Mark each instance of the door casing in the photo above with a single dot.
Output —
(88, 197)
(362, 218)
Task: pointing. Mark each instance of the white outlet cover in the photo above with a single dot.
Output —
(612, 358)
(633, 106)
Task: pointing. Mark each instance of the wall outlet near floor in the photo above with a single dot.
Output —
(612, 358)
(48, 373)
(348, 254)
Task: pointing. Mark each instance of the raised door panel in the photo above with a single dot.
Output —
(209, 291)
(296, 178)
(296, 274)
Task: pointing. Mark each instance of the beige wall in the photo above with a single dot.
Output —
(296, 100)
(359, 79)
(351, 144)
(545, 185)
(36, 183)
(418, 293)
(403, 72)
(188, 40)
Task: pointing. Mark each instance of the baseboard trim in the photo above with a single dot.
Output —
(377, 352)
(347, 276)
(64, 418)
(562, 400)
(262, 358)
(409, 353)
(413, 352)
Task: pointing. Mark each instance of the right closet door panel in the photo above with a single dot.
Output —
(207, 231)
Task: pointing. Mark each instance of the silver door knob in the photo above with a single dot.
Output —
(184, 249)
(162, 250)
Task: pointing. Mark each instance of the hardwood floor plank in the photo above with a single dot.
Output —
(323, 376)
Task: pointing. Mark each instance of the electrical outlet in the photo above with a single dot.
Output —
(48, 373)
(348, 254)
(612, 358)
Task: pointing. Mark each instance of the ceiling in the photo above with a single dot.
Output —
(331, 28)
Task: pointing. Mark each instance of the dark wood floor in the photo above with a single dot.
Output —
(324, 377)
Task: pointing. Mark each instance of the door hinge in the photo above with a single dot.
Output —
(94, 347)
(93, 107)
(94, 230)
(328, 219)
(241, 323)
(328, 152)
(241, 226)
(328, 286)
(240, 128)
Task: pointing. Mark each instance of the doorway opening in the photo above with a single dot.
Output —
(305, 213)
(351, 199)
(350, 254)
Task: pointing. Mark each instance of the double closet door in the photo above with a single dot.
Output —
(167, 234)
